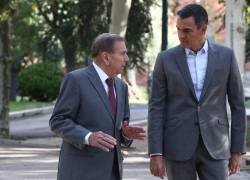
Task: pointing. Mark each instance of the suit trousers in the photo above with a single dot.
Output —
(115, 169)
(201, 164)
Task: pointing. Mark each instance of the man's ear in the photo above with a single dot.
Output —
(105, 57)
(204, 28)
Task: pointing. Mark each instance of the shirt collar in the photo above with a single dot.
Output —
(103, 76)
(204, 49)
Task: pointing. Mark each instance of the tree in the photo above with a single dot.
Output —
(31, 37)
(235, 29)
(125, 17)
(118, 24)
(247, 47)
(119, 16)
(95, 17)
(30, 42)
(75, 24)
(6, 11)
(164, 39)
(138, 37)
(139, 33)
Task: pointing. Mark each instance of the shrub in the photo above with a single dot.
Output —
(40, 81)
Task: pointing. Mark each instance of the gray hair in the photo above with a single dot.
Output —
(104, 43)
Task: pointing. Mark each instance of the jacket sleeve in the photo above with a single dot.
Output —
(156, 108)
(125, 141)
(238, 113)
(62, 121)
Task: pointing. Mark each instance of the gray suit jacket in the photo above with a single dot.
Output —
(83, 106)
(177, 118)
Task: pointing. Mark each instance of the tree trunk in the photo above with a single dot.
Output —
(119, 16)
(119, 19)
(69, 46)
(4, 78)
(235, 29)
(164, 38)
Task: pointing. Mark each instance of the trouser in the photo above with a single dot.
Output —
(115, 169)
(201, 164)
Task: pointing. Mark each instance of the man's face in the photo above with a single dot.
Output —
(118, 59)
(190, 36)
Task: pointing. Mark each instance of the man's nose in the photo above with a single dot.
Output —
(181, 34)
(126, 58)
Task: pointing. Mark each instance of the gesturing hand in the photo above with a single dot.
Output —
(133, 132)
(102, 141)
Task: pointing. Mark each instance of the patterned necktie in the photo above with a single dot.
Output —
(111, 93)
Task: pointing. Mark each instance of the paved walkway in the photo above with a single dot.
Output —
(36, 159)
(38, 163)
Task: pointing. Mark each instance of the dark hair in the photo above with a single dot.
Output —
(104, 43)
(195, 10)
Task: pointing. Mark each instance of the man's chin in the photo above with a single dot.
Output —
(183, 45)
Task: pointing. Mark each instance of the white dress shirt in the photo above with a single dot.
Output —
(103, 76)
(197, 64)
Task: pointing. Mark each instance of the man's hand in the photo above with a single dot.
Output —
(133, 132)
(158, 166)
(234, 163)
(102, 141)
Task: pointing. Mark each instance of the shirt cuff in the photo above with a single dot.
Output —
(155, 154)
(86, 139)
(126, 137)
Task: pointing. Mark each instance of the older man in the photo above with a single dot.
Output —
(92, 115)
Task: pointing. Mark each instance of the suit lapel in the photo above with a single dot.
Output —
(211, 64)
(98, 86)
(183, 66)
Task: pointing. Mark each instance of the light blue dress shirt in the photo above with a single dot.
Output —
(197, 64)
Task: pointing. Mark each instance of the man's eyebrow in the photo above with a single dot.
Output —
(183, 27)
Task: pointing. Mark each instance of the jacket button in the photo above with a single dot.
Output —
(198, 108)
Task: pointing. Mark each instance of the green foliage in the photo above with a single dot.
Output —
(30, 39)
(75, 24)
(25, 104)
(94, 19)
(24, 36)
(48, 31)
(7, 8)
(248, 2)
(139, 33)
(247, 46)
(40, 81)
(61, 16)
(247, 13)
